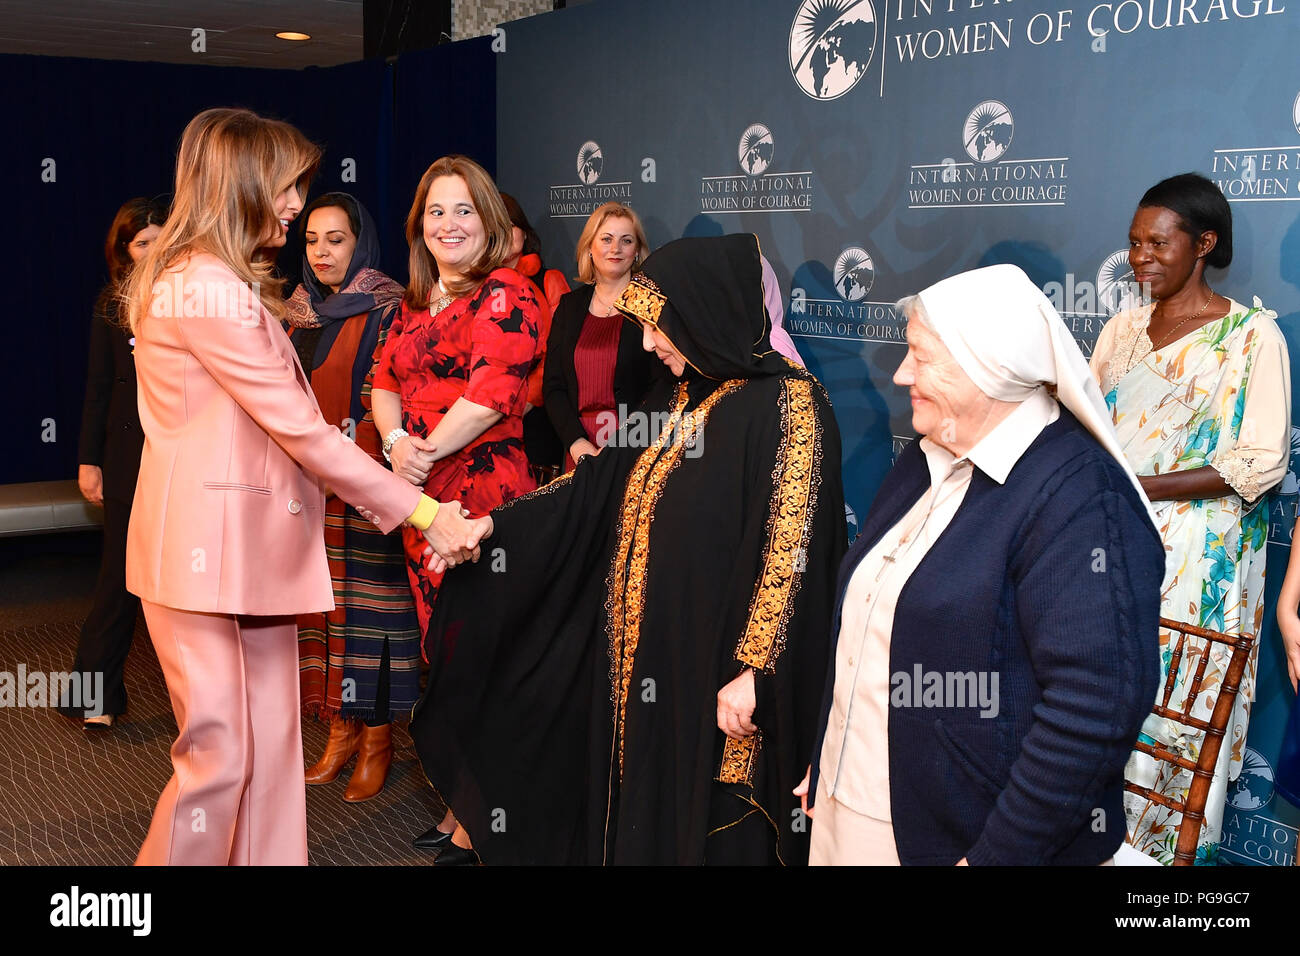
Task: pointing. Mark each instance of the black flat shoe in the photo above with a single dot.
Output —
(431, 839)
(455, 855)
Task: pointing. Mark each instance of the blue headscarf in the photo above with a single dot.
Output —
(363, 288)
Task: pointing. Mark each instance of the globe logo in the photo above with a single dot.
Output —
(1116, 289)
(831, 45)
(854, 273)
(756, 148)
(590, 163)
(850, 521)
(987, 132)
(1253, 788)
(1295, 112)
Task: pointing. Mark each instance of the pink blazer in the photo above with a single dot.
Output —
(228, 512)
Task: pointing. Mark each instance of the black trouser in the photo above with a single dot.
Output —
(106, 635)
(381, 692)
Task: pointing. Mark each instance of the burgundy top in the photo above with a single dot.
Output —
(594, 358)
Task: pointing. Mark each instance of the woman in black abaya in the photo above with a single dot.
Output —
(632, 672)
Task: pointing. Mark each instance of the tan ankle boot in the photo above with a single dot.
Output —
(345, 735)
(374, 756)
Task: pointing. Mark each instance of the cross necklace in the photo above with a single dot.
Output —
(888, 560)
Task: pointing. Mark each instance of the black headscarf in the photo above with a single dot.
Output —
(363, 287)
(705, 294)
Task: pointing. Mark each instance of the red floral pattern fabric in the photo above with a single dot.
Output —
(481, 348)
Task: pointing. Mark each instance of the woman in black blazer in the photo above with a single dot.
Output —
(595, 364)
(109, 456)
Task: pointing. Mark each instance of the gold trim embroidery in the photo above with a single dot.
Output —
(626, 581)
(727, 826)
(795, 482)
(754, 806)
(545, 489)
(739, 757)
(775, 829)
(618, 575)
(644, 305)
(642, 299)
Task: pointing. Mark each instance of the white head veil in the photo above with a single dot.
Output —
(1008, 338)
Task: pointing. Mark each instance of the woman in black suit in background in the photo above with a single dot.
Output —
(109, 456)
(595, 362)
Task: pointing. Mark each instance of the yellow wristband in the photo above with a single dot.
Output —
(424, 513)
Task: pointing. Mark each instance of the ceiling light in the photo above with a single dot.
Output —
(290, 35)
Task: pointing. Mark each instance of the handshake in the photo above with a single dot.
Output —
(454, 537)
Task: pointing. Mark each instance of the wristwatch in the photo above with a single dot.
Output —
(391, 439)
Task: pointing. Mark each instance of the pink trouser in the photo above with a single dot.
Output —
(236, 796)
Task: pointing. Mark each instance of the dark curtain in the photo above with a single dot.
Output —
(112, 129)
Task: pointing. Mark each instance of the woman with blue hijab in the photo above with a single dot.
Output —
(360, 663)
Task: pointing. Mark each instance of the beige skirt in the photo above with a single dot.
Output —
(844, 837)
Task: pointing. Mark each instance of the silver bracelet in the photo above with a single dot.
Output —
(391, 439)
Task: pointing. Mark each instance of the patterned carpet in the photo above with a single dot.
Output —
(68, 797)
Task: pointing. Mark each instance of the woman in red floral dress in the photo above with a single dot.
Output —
(451, 385)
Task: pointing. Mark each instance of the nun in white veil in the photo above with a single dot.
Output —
(996, 645)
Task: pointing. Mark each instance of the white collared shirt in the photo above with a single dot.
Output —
(855, 752)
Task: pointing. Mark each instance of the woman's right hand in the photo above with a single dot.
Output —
(454, 537)
(582, 447)
(90, 479)
(1289, 624)
(413, 458)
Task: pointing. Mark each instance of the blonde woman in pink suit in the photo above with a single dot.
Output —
(226, 539)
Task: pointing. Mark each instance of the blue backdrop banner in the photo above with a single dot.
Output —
(876, 146)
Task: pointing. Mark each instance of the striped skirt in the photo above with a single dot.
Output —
(340, 651)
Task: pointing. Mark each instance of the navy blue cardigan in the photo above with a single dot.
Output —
(1052, 581)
